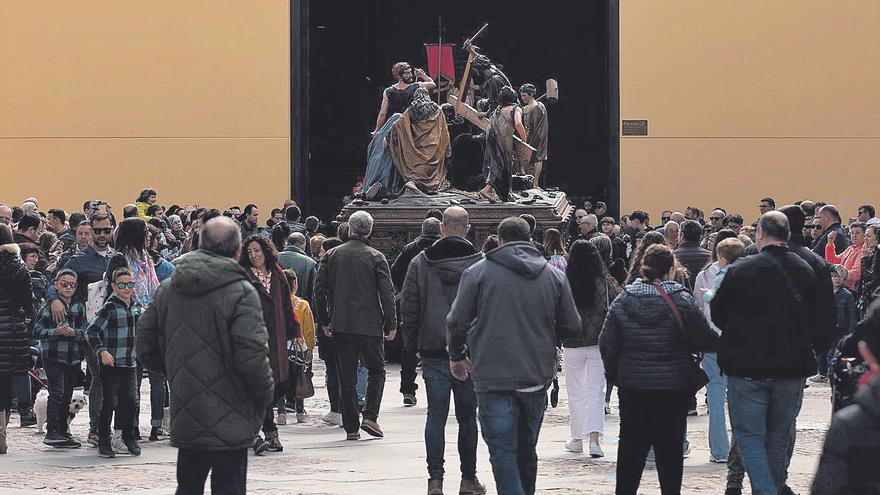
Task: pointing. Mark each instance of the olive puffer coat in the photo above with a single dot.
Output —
(16, 305)
(205, 329)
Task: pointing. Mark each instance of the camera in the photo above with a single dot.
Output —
(98, 202)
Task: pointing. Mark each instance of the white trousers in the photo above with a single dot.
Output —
(585, 385)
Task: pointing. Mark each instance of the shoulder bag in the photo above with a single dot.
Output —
(697, 378)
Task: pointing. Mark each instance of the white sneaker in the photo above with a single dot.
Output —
(819, 379)
(282, 419)
(574, 445)
(596, 450)
(117, 443)
(332, 418)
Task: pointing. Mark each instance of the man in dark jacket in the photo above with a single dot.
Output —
(408, 359)
(205, 331)
(511, 309)
(354, 301)
(294, 257)
(850, 461)
(766, 310)
(829, 219)
(430, 286)
(689, 253)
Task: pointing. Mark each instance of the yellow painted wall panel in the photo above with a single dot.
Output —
(736, 173)
(158, 68)
(212, 172)
(751, 67)
(748, 99)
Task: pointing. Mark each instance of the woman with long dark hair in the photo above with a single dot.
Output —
(593, 289)
(647, 342)
(146, 199)
(260, 261)
(554, 250)
(16, 305)
(131, 241)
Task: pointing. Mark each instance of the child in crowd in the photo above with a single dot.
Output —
(61, 358)
(847, 311)
(303, 313)
(112, 337)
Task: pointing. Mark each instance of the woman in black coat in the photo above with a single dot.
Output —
(16, 305)
(647, 354)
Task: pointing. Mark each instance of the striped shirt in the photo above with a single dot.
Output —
(61, 348)
(113, 330)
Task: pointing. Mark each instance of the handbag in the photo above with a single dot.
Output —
(298, 356)
(697, 378)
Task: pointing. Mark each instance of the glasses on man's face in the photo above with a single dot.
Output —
(104, 230)
(714, 219)
(816, 227)
(125, 285)
(67, 285)
(665, 219)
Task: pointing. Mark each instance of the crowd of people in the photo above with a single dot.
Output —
(222, 312)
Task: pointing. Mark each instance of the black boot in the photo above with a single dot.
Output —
(26, 416)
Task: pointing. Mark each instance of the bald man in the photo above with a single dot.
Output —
(209, 298)
(429, 288)
(294, 257)
(6, 214)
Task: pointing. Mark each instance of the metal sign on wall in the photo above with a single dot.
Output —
(634, 127)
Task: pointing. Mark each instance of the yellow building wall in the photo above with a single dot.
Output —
(100, 99)
(749, 99)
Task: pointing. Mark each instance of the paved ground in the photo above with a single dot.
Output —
(317, 459)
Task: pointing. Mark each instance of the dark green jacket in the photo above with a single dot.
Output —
(205, 330)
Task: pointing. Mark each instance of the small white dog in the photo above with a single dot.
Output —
(77, 403)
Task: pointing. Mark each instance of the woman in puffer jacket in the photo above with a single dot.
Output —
(16, 305)
(593, 289)
(647, 354)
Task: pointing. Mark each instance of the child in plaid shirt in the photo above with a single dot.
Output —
(61, 358)
(112, 337)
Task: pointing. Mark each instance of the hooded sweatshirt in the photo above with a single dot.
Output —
(511, 309)
(427, 293)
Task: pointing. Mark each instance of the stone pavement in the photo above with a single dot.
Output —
(317, 459)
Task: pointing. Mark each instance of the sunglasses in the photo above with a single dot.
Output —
(665, 219)
(67, 285)
(105, 230)
(125, 285)
(815, 227)
(715, 218)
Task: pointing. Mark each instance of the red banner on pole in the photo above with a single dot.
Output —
(441, 56)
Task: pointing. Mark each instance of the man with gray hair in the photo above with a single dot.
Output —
(205, 331)
(294, 257)
(426, 296)
(354, 302)
(510, 310)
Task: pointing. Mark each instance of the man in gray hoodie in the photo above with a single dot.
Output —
(511, 309)
(427, 293)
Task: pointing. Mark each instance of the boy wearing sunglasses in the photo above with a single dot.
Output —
(61, 358)
(112, 338)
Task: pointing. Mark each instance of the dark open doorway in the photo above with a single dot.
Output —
(341, 61)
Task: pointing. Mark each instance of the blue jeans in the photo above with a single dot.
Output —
(439, 382)
(511, 422)
(762, 413)
(716, 393)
